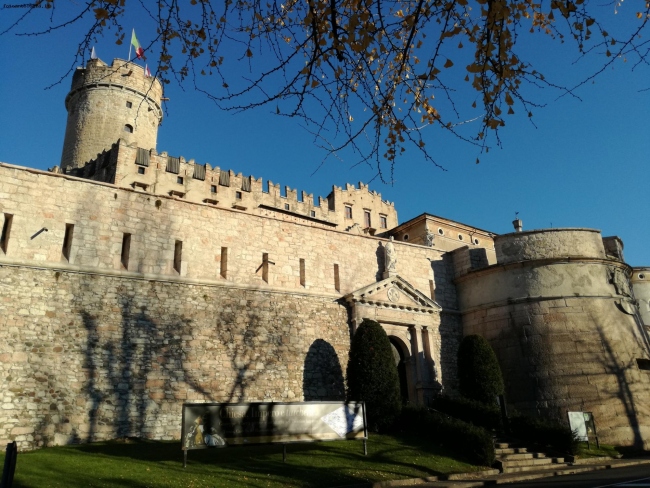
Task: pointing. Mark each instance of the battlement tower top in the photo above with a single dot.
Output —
(106, 103)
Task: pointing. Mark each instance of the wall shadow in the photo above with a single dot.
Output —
(322, 377)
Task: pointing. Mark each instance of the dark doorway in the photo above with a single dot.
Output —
(398, 355)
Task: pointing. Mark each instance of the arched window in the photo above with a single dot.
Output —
(128, 128)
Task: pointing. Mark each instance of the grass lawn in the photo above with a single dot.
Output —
(139, 464)
(604, 451)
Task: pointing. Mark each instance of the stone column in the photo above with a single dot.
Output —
(419, 361)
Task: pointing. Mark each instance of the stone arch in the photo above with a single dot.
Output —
(402, 356)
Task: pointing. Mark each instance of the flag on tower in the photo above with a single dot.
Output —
(147, 73)
(134, 42)
(92, 54)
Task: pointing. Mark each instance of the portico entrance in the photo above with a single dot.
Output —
(411, 321)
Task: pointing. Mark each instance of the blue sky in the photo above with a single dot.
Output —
(583, 164)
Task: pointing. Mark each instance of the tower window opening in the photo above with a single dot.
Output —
(129, 105)
(348, 211)
(179, 180)
(141, 170)
(213, 188)
(128, 128)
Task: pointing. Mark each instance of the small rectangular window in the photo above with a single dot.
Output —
(348, 212)
(286, 206)
(643, 364)
(6, 231)
(383, 222)
(178, 255)
(224, 262)
(312, 213)
(366, 218)
(213, 188)
(302, 272)
(67, 242)
(179, 180)
(126, 249)
(129, 104)
(238, 195)
(141, 170)
(337, 281)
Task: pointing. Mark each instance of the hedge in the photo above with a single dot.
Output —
(546, 433)
(484, 415)
(372, 375)
(470, 441)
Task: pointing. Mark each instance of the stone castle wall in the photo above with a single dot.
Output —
(88, 357)
(247, 307)
(126, 166)
(565, 330)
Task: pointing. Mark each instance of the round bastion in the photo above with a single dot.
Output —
(107, 103)
(563, 321)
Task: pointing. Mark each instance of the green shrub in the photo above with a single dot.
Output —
(474, 443)
(484, 415)
(546, 433)
(372, 375)
(479, 374)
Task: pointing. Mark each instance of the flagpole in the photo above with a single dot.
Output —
(130, 44)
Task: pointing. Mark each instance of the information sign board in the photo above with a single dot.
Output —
(226, 424)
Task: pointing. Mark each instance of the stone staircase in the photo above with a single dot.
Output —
(514, 459)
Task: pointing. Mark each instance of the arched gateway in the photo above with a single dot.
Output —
(411, 321)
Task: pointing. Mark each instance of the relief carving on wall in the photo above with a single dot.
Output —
(618, 278)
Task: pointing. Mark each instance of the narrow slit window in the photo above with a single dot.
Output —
(178, 255)
(265, 267)
(337, 281)
(432, 288)
(302, 272)
(6, 232)
(126, 249)
(224, 262)
(67, 241)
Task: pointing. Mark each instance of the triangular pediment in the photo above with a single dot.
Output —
(394, 292)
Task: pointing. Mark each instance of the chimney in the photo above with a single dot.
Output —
(518, 225)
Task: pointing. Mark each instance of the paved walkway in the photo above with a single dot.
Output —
(493, 477)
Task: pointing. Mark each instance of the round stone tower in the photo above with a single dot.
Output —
(563, 320)
(107, 103)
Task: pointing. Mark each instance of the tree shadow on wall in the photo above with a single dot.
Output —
(322, 377)
(624, 373)
(129, 377)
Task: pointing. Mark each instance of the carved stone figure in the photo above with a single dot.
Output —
(428, 237)
(620, 282)
(390, 256)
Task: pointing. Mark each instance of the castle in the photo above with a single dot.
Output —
(133, 281)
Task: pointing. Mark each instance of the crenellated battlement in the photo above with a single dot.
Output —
(127, 165)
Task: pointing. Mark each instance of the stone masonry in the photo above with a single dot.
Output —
(133, 281)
